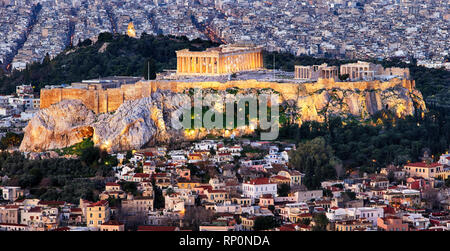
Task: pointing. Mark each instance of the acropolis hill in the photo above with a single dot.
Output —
(214, 62)
(122, 113)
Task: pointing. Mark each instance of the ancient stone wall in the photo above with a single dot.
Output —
(102, 101)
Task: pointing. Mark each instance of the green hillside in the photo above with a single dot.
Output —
(111, 55)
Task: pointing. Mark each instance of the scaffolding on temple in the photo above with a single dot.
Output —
(225, 59)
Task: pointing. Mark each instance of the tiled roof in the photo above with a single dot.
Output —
(112, 184)
(156, 228)
(259, 181)
(59, 203)
(99, 203)
(422, 164)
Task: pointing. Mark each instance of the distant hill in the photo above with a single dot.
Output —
(121, 55)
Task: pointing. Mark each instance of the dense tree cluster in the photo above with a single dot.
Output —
(10, 140)
(58, 178)
(366, 147)
(315, 158)
(195, 216)
(320, 222)
(266, 222)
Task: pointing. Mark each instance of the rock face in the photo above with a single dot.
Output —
(359, 104)
(147, 121)
(61, 125)
(137, 123)
(133, 125)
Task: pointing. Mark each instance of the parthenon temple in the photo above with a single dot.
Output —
(225, 59)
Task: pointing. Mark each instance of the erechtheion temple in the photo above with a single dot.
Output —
(315, 72)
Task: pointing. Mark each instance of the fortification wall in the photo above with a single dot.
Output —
(101, 101)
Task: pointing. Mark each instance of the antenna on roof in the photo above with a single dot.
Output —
(148, 70)
(273, 65)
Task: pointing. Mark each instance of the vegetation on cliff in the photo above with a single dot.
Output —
(10, 140)
(77, 149)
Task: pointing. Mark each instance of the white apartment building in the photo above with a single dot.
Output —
(445, 159)
(11, 193)
(257, 187)
(369, 213)
(205, 145)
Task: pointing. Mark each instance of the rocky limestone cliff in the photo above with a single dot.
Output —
(133, 125)
(360, 104)
(145, 121)
(60, 125)
(136, 123)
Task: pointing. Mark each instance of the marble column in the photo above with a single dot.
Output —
(181, 64)
(248, 61)
(197, 65)
(203, 64)
(260, 60)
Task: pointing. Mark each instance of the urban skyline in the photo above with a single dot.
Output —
(338, 28)
(230, 115)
